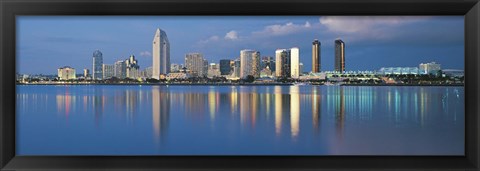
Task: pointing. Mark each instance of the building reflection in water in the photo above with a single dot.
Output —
(65, 103)
(316, 108)
(233, 100)
(294, 111)
(340, 112)
(212, 102)
(278, 110)
(160, 111)
(253, 106)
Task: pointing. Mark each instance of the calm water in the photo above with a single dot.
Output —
(239, 120)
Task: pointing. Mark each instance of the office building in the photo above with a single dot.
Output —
(316, 56)
(339, 56)
(225, 66)
(160, 54)
(250, 63)
(97, 72)
(194, 63)
(108, 71)
(66, 73)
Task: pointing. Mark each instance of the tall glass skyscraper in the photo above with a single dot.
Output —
(339, 55)
(316, 56)
(160, 54)
(97, 67)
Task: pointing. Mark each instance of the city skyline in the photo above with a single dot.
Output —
(361, 55)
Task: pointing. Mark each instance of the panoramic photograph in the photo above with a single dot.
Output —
(240, 85)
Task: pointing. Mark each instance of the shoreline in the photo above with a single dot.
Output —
(238, 84)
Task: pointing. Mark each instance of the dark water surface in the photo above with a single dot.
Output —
(239, 120)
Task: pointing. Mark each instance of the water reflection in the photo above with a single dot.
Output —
(295, 109)
(160, 110)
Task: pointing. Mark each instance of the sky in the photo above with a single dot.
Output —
(46, 43)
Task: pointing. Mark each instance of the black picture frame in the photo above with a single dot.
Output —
(9, 9)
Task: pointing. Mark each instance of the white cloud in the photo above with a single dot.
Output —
(145, 54)
(367, 27)
(363, 24)
(283, 29)
(210, 39)
(232, 35)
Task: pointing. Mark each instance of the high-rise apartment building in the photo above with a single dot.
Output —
(283, 63)
(250, 63)
(108, 71)
(194, 62)
(160, 54)
(120, 69)
(132, 69)
(295, 62)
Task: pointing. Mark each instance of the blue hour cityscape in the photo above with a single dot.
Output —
(256, 85)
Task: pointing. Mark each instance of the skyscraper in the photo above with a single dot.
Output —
(97, 69)
(339, 55)
(295, 62)
(316, 56)
(194, 62)
(250, 63)
(160, 54)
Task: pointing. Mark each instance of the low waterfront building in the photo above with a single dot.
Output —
(454, 73)
(399, 70)
(314, 76)
(66, 73)
(177, 75)
(429, 68)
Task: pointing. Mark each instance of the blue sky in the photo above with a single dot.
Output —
(45, 43)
